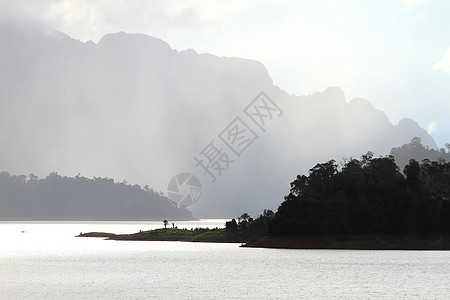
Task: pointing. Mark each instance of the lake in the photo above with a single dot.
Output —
(46, 261)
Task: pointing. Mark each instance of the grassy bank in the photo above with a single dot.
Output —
(216, 235)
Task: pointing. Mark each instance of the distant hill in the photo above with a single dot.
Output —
(79, 198)
(132, 107)
(415, 150)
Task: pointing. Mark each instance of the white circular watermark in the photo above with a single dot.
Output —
(185, 189)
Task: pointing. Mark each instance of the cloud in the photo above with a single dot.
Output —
(444, 63)
(432, 126)
(86, 19)
(413, 2)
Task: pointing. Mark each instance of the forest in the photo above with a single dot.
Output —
(59, 197)
(367, 195)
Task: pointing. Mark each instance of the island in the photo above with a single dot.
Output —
(365, 203)
(214, 235)
(242, 230)
(322, 241)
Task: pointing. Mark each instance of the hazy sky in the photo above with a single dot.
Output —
(395, 53)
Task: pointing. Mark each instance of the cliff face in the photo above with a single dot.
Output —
(131, 107)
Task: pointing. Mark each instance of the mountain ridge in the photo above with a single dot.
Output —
(144, 113)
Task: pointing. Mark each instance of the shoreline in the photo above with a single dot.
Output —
(2, 219)
(217, 235)
(410, 241)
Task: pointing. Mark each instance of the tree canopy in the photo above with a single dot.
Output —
(367, 195)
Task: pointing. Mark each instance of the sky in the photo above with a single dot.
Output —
(394, 53)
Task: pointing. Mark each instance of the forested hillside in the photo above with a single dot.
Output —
(367, 196)
(415, 150)
(80, 198)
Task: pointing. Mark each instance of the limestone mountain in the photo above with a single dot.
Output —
(131, 107)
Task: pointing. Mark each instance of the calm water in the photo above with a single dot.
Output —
(46, 261)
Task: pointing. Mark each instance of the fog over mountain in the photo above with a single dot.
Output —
(79, 198)
(131, 107)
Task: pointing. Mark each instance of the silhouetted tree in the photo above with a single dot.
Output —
(231, 226)
(370, 194)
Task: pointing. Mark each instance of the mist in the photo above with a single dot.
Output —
(131, 107)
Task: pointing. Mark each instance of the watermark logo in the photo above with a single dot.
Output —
(238, 136)
(261, 110)
(184, 189)
(213, 161)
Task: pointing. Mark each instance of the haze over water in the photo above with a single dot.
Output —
(47, 261)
